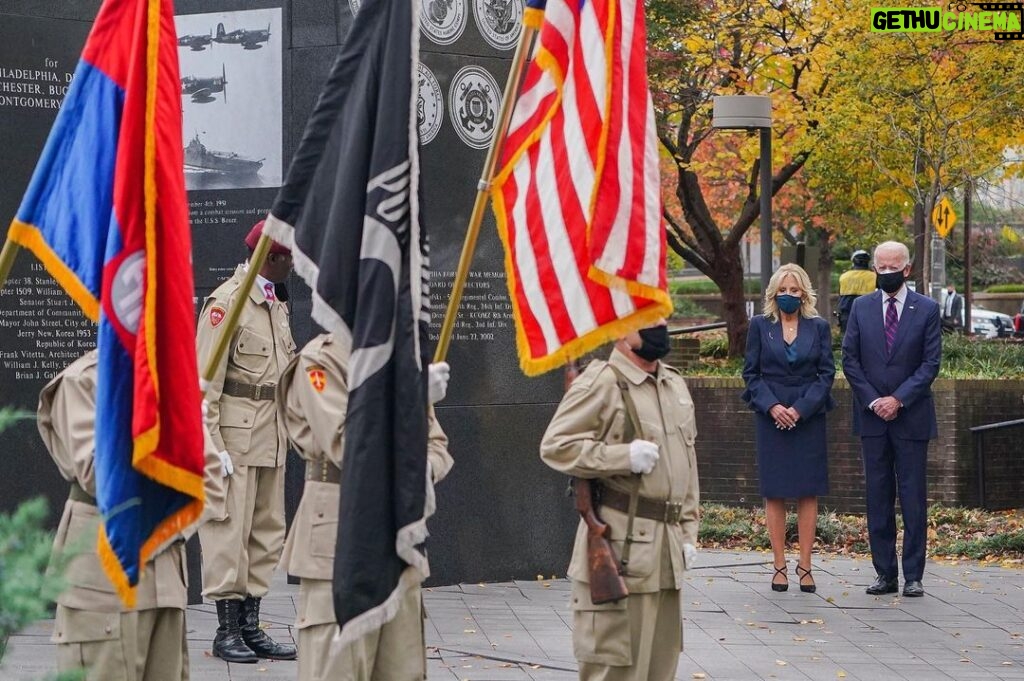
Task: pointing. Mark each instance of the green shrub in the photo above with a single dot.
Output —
(1005, 288)
(983, 547)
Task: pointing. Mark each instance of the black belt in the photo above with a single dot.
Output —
(323, 471)
(79, 494)
(663, 511)
(253, 391)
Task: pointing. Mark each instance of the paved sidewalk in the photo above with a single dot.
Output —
(970, 625)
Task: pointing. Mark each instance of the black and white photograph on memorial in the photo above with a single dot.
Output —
(231, 98)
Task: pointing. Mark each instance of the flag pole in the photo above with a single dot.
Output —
(483, 189)
(7, 257)
(259, 255)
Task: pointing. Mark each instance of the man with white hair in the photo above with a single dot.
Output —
(891, 354)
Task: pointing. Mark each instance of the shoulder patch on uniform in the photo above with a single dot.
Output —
(317, 377)
(217, 314)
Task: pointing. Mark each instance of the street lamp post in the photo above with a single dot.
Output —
(750, 112)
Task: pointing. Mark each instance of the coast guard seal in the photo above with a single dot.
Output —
(473, 102)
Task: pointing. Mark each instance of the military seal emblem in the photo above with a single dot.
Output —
(473, 103)
(443, 21)
(354, 6)
(499, 21)
(429, 105)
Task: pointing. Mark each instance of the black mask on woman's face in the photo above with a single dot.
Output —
(655, 343)
(890, 282)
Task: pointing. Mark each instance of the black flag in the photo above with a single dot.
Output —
(349, 210)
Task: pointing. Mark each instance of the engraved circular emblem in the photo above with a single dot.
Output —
(473, 103)
(126, 291)
(499, 21)
(429, 105)
(443, 21)
(354, 6)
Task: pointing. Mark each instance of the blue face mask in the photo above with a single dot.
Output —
(787, 303)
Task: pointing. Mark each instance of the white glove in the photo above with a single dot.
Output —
(206, 409)
(642, 456)
(689, 555)
(226, 467)
(437, 381)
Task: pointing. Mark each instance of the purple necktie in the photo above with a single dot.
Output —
(891, 322)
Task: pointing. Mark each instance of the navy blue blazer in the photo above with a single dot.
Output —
(906, 373)
(806, 385)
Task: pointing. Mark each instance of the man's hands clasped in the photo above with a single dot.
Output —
(886, 408)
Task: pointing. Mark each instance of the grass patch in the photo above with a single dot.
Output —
(953, 532)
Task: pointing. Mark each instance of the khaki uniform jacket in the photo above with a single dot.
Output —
(67, 409)
(588, 438)
(315, 420)
(248, 429)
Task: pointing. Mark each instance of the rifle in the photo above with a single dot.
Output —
(606, 583)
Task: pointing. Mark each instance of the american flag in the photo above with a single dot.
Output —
(577, 194)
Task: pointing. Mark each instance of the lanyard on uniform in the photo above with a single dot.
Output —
(634, 492)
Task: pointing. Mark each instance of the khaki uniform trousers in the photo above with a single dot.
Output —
(130, 646)
(241, 551)
(393, 653)
(638, 639)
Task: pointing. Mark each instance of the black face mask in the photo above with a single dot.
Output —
(890, 282)
(281, 292)
(655, 343)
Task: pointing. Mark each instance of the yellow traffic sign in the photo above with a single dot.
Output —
(943, 217)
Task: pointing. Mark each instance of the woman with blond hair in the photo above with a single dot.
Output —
(788, 373)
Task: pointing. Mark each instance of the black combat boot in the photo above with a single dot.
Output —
(228, 644)
(256, 638)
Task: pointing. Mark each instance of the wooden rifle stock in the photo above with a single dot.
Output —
(606, 583)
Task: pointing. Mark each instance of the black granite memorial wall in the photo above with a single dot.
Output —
(501, 513)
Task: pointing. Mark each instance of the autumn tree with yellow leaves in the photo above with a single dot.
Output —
(910, 116)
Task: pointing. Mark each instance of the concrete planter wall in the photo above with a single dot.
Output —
(728, 469)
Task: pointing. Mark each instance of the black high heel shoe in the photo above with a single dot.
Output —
(780, 587)
(806, 572)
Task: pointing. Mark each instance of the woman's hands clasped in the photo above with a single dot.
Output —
(785, 417)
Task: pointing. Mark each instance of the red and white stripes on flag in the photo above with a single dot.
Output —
(577, 196)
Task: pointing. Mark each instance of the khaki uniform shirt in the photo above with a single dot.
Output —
(588, 438)
(67, 409)
(313, 399)
(248, 429)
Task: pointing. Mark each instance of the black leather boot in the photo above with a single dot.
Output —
(228, 644)
(256, 638)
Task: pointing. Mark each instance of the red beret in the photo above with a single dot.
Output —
(254, 236)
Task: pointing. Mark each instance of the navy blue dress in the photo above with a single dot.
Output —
(791, 463)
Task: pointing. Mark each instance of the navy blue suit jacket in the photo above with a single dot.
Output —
(906, 373)
(770, 379)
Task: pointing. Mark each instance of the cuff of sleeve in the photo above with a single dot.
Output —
(617, 459)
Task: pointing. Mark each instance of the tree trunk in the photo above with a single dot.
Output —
(824, 283)
(728, 274)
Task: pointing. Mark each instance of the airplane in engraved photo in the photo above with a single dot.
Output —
(248, 39)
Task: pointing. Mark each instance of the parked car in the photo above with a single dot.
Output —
(991, 324)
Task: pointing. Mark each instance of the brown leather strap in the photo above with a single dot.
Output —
(253, 391)
(664, 511)
(80, 495)
(323, 471)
